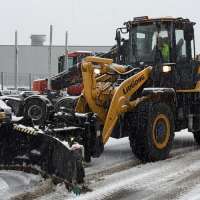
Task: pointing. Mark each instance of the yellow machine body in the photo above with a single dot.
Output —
(104, 98)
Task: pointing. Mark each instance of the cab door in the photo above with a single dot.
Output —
(184, 65)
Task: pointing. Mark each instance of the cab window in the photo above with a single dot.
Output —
(180, 45)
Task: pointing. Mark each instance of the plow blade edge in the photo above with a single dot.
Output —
(24, 146)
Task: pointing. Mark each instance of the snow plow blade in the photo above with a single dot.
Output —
(25, 146)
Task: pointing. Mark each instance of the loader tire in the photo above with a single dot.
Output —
(154, 132)
(35, 109)
(68, 103)
(197, 137)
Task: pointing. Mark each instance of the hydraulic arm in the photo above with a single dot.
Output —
(104, 93)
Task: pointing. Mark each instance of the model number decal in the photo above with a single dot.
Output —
(133, 84)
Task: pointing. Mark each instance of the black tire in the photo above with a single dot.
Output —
(197, 137)
(68, 103)
(154, 132)
(37, 106)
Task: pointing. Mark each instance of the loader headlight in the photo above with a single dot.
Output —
(166, 68)
(97, 71)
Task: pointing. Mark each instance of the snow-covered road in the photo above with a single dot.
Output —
(13, 183)
(117, 174)
(169, 179)
(118, 151)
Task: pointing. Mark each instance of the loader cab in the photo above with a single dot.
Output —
(74, 58)
(145, 38)
(162, 42)
(146, 43)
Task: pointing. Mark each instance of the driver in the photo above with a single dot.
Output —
(163, 46)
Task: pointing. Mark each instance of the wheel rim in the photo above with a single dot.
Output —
(35, 112)
(161, 131)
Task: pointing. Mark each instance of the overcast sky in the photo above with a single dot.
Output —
(89, 22)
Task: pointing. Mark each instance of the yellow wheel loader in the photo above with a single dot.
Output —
(152, 91)
(153, 94)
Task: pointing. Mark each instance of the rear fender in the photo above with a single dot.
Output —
(166, 95)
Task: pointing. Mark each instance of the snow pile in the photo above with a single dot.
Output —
(4, 107)
(13, 183)
(3, 186)
(193, 194)
(139, 181)
(36, 152)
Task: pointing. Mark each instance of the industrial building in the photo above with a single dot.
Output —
(33, 61)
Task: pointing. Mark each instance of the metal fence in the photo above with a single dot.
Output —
(24, 80)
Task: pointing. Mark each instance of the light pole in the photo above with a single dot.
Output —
(16, 62)
(49, 57)
(66, 51)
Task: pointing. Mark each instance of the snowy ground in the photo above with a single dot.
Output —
(14, 183)
(117, 174)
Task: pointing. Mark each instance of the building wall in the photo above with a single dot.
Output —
(34, 59)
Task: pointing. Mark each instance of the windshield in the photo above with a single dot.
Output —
(76, 59)
(146, 40)
(70, 62)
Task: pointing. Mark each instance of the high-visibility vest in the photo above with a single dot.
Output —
(165, 52)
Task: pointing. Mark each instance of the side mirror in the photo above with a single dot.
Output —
(188, 32)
